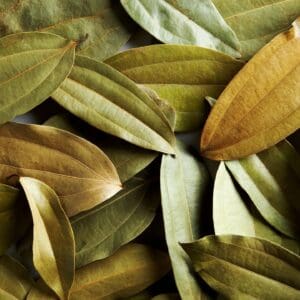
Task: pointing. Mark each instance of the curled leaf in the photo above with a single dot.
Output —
(53, 240)
(32, 66)
(253, 114)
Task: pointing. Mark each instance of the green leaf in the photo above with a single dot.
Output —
(53, 239)
(127, 158)
(167, 297)
(234, 214)
(96, 24)
(101, 231)
(257, 22)
(32, 66)
(184, 22)
(246, 268)
(15, 281)
(111, 102)
(130, 270)
(79, 172)
(183, 183)
(189, 74)
(271, 179)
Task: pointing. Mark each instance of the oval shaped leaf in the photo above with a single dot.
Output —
(190, 74)
(257, 22)
(78, 171)
(234, 214)
(129, 271)
(111, 102)
(51, 227)
(271, 179)
(184, 22)
(253, 114)
(15, 281)
(96, 24)
(101, 231)
(181, 205)
(32, 66)
(246, 268)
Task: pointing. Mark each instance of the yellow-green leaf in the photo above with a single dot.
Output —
(78, 171)
(15, 281)
(272, 181)
(246, 267)
(257, 22)
(32, 66)
(126, 273)
(98, 25)
(53, 240)
(111, 102)
(261, 105)
(184, 22)
(180, 75)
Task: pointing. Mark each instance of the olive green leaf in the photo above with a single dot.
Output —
(8, 216)
(32, 66)
(180, 75)
(167, 297)
(78, 171)
(15, 281)
(53, 240)
(183, 183)
(101, 231)
(234, 214)
(246, 267)
(184, 22)
(96, 24)
(271, 179)
(257, 22)
(128, 159)
(130, 270)
(111, 102)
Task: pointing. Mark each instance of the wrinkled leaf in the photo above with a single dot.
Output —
(53, 240)
(32, 66)
(101, 231)
(15, 281)
(189, 74)
(257, 22)
(271, 179)
(260, 106)
(233, 214)
(96, 24)
(78, 171)
(128, 159)
(129, 271)
(111, 102)
(183, 183)
(246, 268)
(184, 22)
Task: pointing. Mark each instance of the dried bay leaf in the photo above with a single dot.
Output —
(253, 114)
(54, 261)
(271, 179)
(257, 22)
(233, 215)
(130, 270)
(246, 267)
(189, 74)
(104, 229)
(128, 159)
(15, 281)
(78, 171)
(182, 201)
(111, 102)
(184, 22)
(96, 24)
(32, 66)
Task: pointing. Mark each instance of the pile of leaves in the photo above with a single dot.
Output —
(101, 199)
